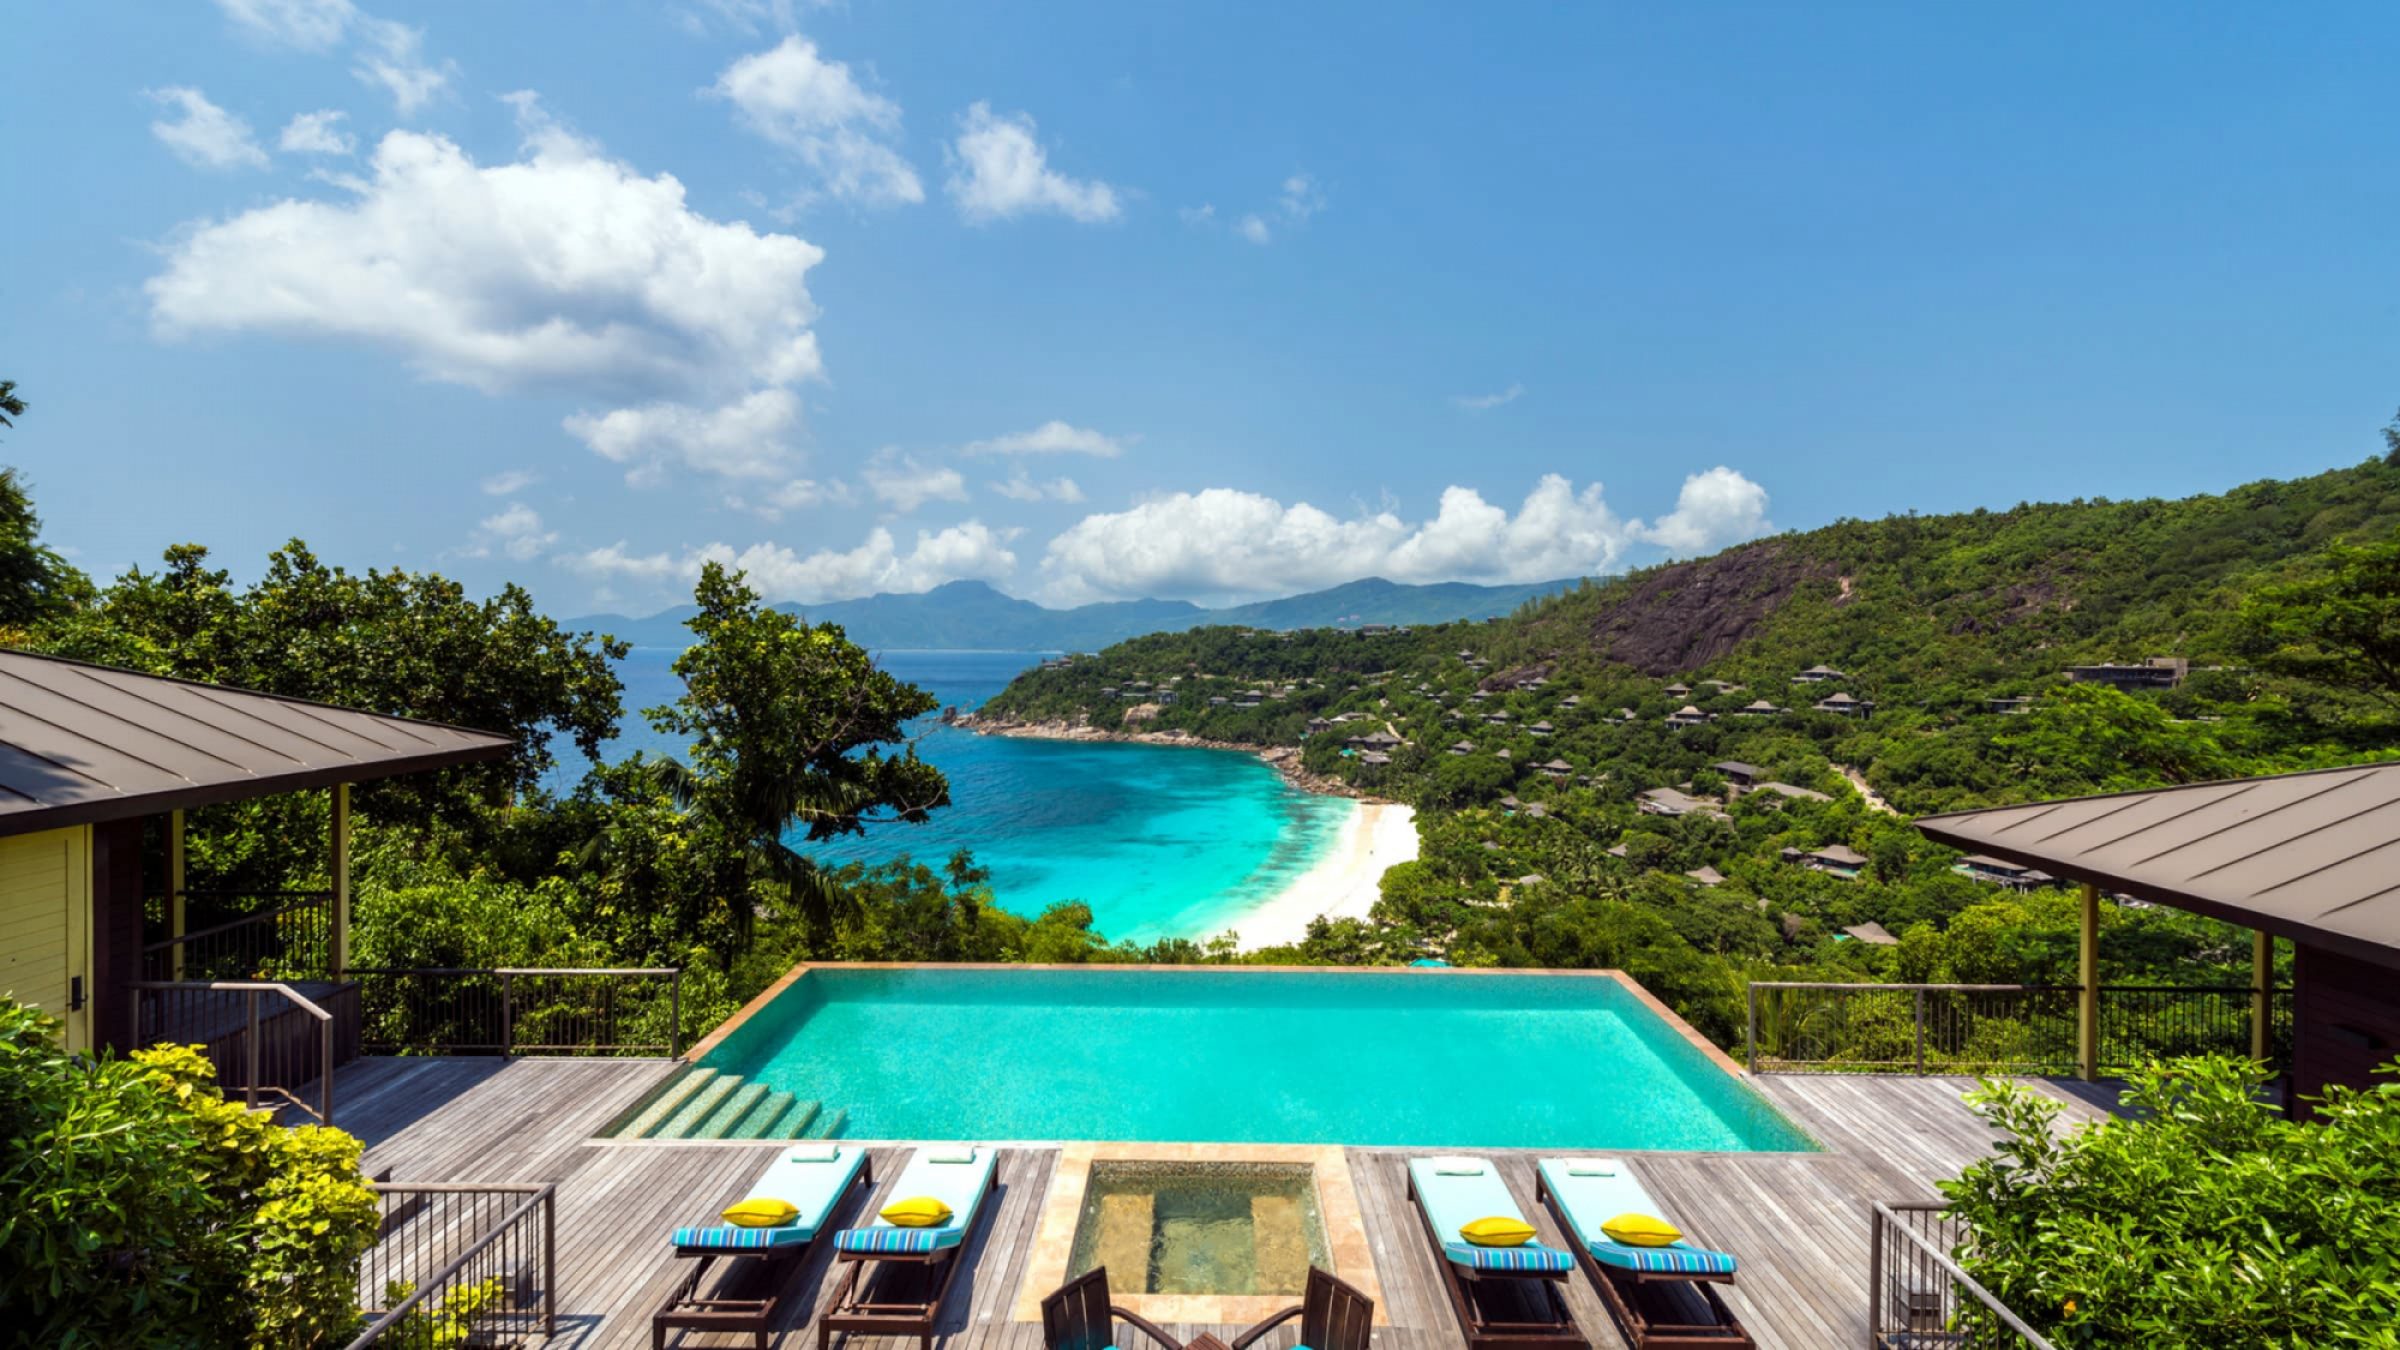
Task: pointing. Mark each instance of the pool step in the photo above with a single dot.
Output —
(670, 1098)
(720, 1123)
(708, 1104)
(696, 1108)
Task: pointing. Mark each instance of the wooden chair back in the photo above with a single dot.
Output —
(1077, 1317)
(1334, 1315)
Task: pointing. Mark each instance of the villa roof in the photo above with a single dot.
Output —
(1706, 876)
(2313, 856)
(83, 743)
(1874, 934)
(1735, 766)
(1841, 854)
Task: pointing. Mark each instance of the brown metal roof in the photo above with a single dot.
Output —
(82, 743)
(2310, 856)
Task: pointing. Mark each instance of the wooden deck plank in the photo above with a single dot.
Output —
(1798, 1221)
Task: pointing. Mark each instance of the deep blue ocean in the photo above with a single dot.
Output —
(1160, 841)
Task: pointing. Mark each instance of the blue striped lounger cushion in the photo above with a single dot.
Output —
(1680, 1259)
(958, 1184)
(1591, 1191)
(897, 1240)
(814, 1186)
(1531, 1259)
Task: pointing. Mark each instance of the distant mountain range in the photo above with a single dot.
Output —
(969, 615)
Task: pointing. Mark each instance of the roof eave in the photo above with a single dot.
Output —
(33, 820)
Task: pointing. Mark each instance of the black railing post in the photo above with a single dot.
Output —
(1920, 1031)
(550, 1260)
(508, 1016)
(1875, 1280)
(250, 1083)
(675, 1017)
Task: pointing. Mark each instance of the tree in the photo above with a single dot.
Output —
(35, 582)
(12, 406)
(2339, 625)
(788, 723)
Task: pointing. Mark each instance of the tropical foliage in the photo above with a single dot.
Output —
(2205, 1218)
(139, 1208)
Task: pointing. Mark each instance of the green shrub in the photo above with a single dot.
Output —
(2206, 1219)
(140, 1208)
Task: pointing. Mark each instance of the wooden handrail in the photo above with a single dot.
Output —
(250, 1035)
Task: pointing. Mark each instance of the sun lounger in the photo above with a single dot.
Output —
(816, 1183)
(1504, 1296)
(1663, 1298)
(1080, 1316)
(899, 1276)
(1333, 1316)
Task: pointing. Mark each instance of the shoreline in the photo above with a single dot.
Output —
(1342, 884)
(1283, 759)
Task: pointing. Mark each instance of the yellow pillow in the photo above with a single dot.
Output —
(1641, 1230)
(758, 1212)
(920, 1212)
(1497, 1232)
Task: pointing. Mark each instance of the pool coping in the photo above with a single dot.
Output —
(1707, 1048)
(1062, 1210)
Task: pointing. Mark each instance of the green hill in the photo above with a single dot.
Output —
(1536, 746)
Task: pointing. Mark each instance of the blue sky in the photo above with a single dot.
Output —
(1096, 300)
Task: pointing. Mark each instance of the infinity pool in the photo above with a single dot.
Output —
(1417, 1058)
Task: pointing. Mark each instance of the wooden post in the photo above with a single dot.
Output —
(2087, 1006)
(2262, 992)
(175, 912)
(338, 941)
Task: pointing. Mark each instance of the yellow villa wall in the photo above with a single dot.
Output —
(45, 923)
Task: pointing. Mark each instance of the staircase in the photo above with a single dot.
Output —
(708, 1104)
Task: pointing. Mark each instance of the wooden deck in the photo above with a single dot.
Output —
(1797, 1221)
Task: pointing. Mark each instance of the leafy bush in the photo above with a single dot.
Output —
(140, 1208)
(2207, 1219)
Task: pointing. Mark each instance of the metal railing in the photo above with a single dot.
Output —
(1799, 1027)
(1920, 1298)
(522, 1011)
(461, 1264)
(290, 939)
(265, 1039)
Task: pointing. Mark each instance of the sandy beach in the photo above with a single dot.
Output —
(1343, 885)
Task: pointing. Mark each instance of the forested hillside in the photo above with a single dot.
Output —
(1537, 746)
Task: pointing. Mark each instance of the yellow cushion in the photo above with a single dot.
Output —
(1642, 1230)
(919, 1212)
(758, 1212)
(1497, 1232)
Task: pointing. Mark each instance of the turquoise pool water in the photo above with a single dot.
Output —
(1422, 1059)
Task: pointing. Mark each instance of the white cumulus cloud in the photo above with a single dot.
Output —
(1227, 543)
(793, 96)
(316, 133)
(388, 55)
(1000, 171)
(970, 551)
(1714, 509)
(516, 532)
(204, 135)
(1020, 487)
(798, 494)
(746, 438)
(564, 271)
(509, 482)
(900, 482)
(1051, 438)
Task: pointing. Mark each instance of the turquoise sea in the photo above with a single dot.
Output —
(1160, 841)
